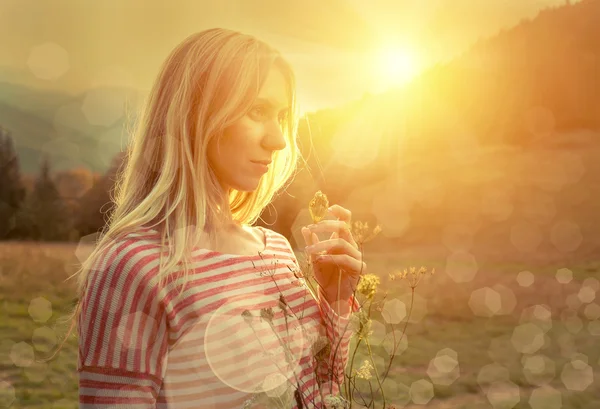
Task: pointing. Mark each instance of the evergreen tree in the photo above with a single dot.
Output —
(49, 217)
(12, 190)
(96, 205)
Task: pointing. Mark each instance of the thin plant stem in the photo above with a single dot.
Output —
(288, 358)
(264, 349)
(353, 380)
(277, 335)
(337, 298)
(412, 299)
(395, 345)
(351, 363)
(376, 374)
(353, 298)
(356, 349)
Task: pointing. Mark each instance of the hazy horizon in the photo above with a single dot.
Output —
(98, 46)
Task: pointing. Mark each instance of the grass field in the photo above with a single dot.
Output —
(497, 361)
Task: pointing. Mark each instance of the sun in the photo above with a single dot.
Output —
(396, 65)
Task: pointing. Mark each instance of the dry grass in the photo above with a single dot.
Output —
(443, 319)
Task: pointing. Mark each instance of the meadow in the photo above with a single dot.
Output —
(472, 348)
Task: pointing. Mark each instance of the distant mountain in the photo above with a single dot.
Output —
(525, 86)
(40, 102)
(503, 143)
(74, 130)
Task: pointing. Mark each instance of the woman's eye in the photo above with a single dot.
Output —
(261, 113)
(258, 112)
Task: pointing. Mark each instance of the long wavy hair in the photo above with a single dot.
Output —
(208, 82)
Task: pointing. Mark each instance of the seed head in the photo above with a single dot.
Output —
(367, 285)
(318, 206)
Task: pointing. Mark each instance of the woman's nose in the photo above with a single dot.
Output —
(274, 138)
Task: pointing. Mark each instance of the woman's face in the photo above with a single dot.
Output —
(254, 137)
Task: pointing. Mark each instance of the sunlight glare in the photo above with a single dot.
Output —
(396, 65)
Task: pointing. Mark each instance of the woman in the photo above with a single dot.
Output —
(183, 304)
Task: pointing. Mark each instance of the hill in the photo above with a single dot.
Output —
(495, 152)
(73, 130)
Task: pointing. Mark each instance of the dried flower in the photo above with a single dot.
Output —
(318, 206)
(250, 401)
(367, 285)
(360, 324)
(303, 272)
(364, 372)
(321, 349)
(282, 302)
(412, 275)
(265, 271)
(267, 314)
(247, 316)
(335, 402)
(320, 342)
(283, 306)
(297, 272)
(360, 232)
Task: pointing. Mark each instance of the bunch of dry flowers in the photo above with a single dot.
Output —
(359, 323)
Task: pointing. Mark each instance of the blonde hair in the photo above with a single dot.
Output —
(207, 83)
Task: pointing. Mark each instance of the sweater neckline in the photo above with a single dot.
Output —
(267, 245)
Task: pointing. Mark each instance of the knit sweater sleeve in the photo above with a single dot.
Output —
(123, 331)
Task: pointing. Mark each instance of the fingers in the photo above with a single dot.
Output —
(310, 238)
(334, 246)
(341, 213)
(306, 234)
(345, 262)
(340, 228)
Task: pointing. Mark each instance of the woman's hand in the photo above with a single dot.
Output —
(335, 257)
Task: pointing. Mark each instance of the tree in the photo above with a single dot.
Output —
(72, 184)
(48, 216)
(12, 190)
(96, 205)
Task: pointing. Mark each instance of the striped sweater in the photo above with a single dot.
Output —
(245, 329)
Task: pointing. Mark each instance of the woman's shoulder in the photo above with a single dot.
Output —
(136, 241)
(132, 252)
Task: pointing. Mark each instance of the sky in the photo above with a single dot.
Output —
(339, 49)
